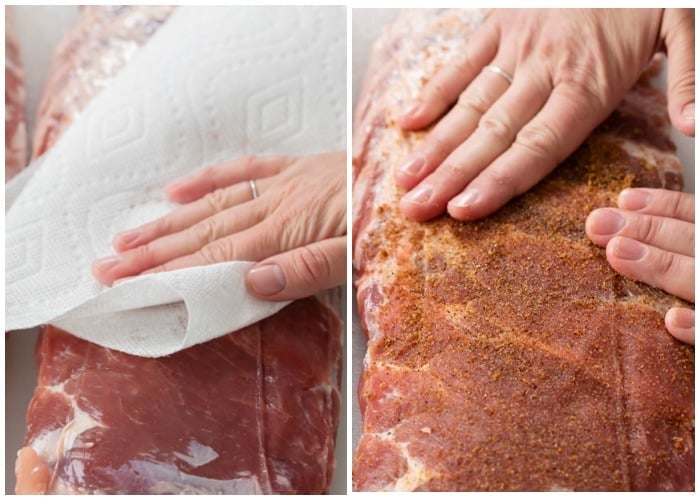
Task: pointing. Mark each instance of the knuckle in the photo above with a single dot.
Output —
(162, 226)
(683, 85)
(464, 65)
(144, 255)
(208, 172)
(313, 265)
(587, 91)
(473, 101)
(205, 231)
(681, 205)
(648, 229)
(217, 251)
(540, 139)
(438, 92)
(452, 170)
(247, 163)
(505, 180)
(666, 264)
(216, 200)
(499, 128)
(289, 228)
(438, 146)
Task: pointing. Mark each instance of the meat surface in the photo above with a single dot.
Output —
(15, 126)
(506, 354)
(87, 59)
(252, 412)
(255, 411)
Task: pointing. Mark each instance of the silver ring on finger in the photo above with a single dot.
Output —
(253, 188)
(499, 72)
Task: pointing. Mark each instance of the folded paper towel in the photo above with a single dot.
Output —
(214, 83)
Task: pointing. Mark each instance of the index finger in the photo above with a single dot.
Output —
(659, 202)
(444, 88)
(225, 174)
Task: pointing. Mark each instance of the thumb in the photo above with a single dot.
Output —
(301, 272)
(678, 33)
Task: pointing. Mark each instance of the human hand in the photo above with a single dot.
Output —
(651, 238)
(570, 69)
(295, 228)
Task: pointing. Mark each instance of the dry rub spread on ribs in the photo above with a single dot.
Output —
(506, 354)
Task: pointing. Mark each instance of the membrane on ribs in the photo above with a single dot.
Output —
(506, 354)
(255, 411)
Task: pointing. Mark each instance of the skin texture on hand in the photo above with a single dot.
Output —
(295, 229)
(570, 69)
(650, 237)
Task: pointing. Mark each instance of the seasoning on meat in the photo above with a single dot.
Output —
(533, 365)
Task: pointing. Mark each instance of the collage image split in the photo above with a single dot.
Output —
(348, 249)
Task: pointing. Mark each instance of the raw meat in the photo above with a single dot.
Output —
(87, 59)
(255, 411)
(252, 412)
(15, 127)
(506, 354)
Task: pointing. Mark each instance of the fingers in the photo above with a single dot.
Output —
(680, 322)
(176, 247)
(540, 145)
(300, 272)
(183, 217)
(665, 233)
(678, 32)
(651, 238)
(223, 175)
(452, 130)
(444, 89)
(661, 202)
(669, 271)
(496, 130)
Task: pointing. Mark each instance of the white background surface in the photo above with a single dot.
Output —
(39, 30)
(366, 27)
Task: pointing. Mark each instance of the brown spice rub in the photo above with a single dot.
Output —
(506, 354)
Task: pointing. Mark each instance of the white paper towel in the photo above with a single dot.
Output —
(214, 83)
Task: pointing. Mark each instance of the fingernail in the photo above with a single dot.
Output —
(634, 199)
(267, 279)
(683, 318)
(628, 249)
(606, 222)
(107, 263)
(413, 166)
(689, 112)
(127, 238)
(465, 199)
(415, 106)
(420, 195)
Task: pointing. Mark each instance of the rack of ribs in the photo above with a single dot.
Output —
(505, 354)
(255, 411)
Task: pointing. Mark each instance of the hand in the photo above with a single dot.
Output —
(295, 228)
(570, 70)
(651, 238)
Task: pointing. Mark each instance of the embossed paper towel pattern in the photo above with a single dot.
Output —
(213, 84)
